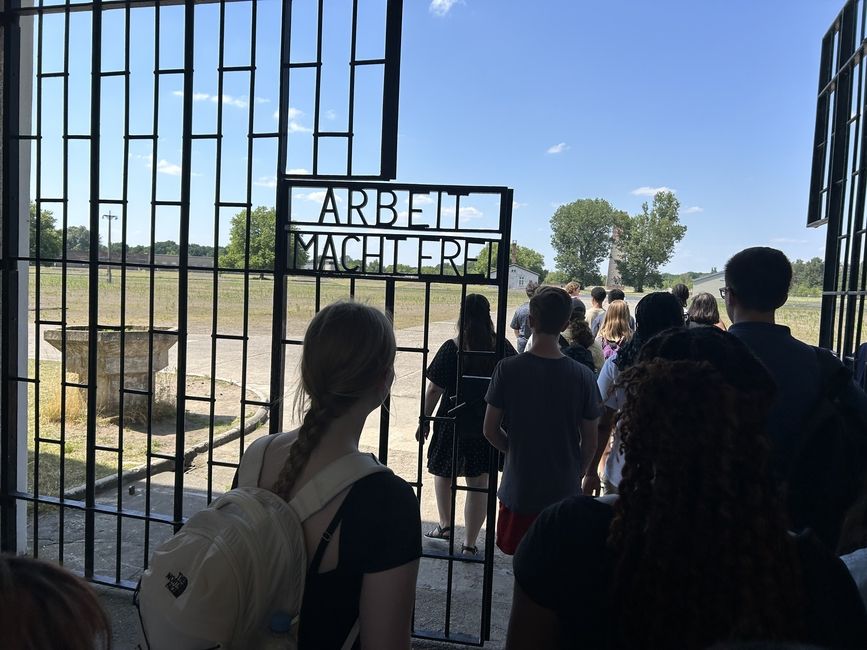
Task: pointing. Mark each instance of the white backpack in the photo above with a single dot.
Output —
(238, 567)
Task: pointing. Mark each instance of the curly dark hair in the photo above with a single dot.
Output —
(699, 538)
(579, 330)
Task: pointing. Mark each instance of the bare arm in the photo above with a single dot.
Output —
(493, 429)
(531, 625)
(589, 444)
(517, 332)
(603, 433)
(432, 396)
(385, 608)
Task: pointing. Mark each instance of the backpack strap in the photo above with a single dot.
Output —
(250, 469)
(333, 480)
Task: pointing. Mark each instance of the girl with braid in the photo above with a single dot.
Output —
(695, 550)
(369, 568)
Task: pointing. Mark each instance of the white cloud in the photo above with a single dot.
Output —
(789, 240)
(317, 197)
(197, 97)
(237, 102)
(266, 181)
(558, 148)
(420, 199)
(693, 210)
(557, 204)
(294, 113)
(165, 167)
(646, 190)
(330, 114)
(468, 212)
(518, 204)
(228, 100)
(297, 171)
(441, 7)
(295, 127)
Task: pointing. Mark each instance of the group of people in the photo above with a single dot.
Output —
(666, 489)
(653, 491)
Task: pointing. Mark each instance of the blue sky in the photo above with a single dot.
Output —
(562, 99)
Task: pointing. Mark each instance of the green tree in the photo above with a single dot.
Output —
(556, 277)
(526, 257)
(581, 234)
(167, 247)
(262, 223)
(647, 240)
(50, 243)
(78, 239)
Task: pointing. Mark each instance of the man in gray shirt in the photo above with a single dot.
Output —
(521, 319)
(551, 406)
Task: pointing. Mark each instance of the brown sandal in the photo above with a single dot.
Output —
(440, 533)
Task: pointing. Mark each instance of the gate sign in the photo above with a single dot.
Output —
(390, 230)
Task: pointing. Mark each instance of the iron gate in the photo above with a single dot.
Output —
(837, 189)
(156, 118)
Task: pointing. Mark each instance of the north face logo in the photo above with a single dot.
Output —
(176, 583)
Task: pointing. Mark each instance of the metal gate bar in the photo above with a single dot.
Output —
(837, 188)
(111, 510)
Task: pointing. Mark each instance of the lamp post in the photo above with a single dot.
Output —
(111, 217)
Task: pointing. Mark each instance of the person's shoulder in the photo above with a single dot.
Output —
(448, 344)
(386, 482)
(386, 493)
(582, 519)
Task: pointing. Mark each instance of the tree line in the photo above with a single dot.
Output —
(261, 238)
(582, 234)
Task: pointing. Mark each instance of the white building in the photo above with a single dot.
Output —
(519, 276)
(710, 283)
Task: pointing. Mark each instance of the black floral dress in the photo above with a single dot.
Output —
(473, 452)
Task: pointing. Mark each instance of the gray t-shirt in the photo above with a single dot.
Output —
(544, 402)
(521, 322)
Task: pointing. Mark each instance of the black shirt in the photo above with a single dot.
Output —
(380, 530)
(564, 564)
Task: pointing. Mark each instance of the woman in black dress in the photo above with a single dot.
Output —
(473, 451)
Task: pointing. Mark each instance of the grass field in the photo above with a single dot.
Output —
(801, 314)
(134, 441)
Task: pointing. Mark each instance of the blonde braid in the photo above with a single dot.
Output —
(315, 423)
(335, 375)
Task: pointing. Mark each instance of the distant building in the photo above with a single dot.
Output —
(519, 276)
(711, 284)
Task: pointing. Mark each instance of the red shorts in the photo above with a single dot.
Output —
(511, 528)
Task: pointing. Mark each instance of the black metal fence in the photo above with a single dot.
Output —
(122, 371)
(837, 189)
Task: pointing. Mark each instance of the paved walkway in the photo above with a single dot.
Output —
(403, 459)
